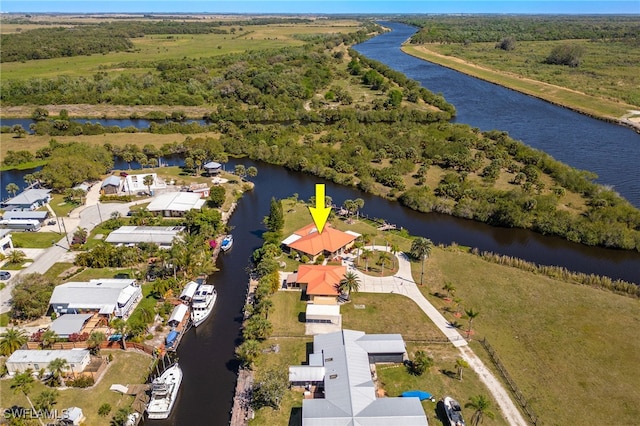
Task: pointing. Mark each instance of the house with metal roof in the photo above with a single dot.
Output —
(340, 364)
(66, 325)
(31, 199)
(111, 185)
(22, 360)
(106, 296)
(212, 168)
(176, 204)
(40, 216)
(330, 242)
(163, 236)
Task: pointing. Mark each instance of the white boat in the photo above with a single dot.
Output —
(202, 303)
(164, 390)
(227, 242)
(453, 411)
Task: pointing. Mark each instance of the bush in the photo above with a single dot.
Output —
(81, 382)
(104, 410)
(507, 43)
(565, 54)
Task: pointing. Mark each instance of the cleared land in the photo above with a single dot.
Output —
(600, 87)
(176, 46)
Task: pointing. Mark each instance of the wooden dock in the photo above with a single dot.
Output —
(241, 411)
(386, 227)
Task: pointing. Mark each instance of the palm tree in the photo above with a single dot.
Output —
(395, 249)
(461, 364)
(252, 171)
(350, 283)
(94, 341)
(29, 178)
(358, 245)
(148, 181)
(421, 249)
(366, 254)
(121, 328)
(472, 314)
(47, 399)
(16, 257)
(481, 404)
(383, 258)
(48, 338)
(12, 340)
(449, 288)
(22, 382)
(57, 368)
(12, 188)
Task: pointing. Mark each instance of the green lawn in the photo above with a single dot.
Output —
(57, 269)
(60, 206)
(34, 239)
(287, 313)
(126, 368)
(559, 341)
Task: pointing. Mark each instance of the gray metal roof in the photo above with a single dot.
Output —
(161, 235)
(212, 165)
(111, 180)
(68, 324)
(176, 201)
(71, 355)
(95, 294)
(350, 397)
(18, 214)
(29, 197)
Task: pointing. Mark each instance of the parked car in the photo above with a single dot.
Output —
(4, 275)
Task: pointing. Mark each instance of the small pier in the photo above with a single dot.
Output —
(386, 227)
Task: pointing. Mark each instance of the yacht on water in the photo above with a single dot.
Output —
(164, 390)
(227, 242)
(202, 303)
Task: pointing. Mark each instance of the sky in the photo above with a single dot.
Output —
(326, 6)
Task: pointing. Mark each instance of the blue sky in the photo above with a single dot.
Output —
(327, 6)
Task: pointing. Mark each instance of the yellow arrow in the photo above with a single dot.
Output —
(320, 213)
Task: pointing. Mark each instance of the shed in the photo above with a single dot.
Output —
(22, 360)
(212, 168)
(111, 185)
(178, 314)
(73, 416)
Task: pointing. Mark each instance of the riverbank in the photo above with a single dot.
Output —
(599, 108)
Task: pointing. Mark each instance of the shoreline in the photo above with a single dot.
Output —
(428, 55)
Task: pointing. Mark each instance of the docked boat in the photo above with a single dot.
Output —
(202, 303)
(227, 242)
(453, 411)
(164, 390)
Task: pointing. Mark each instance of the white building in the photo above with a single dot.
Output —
(176, 204)
(22, 360)
(135, 183)
(6, 243)
(340, 363)
(163, 236)
(106, 296)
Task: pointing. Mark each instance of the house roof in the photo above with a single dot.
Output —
(212, 165)
(176, 201)
(313, 242)
(321, 280)
(162, 235)
(29, 197)
(44, 357)
(18, 214)
(103, 294)
(68, 324)
(350, 397)
(111, 180)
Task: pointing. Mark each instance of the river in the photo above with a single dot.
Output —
(612, 151)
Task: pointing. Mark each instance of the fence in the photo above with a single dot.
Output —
(533, 418)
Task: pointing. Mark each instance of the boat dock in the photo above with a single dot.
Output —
(386, 226)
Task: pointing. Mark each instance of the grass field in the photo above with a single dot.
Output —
(34, 239)
(126, 368)
(559, 341)
(176, 46)
(599, 87)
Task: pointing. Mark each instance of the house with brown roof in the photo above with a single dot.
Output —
(330, 242)
(320, 282)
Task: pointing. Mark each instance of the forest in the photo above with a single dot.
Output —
(493, 28)
(325, 110)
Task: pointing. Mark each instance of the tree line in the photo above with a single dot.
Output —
(472, 29)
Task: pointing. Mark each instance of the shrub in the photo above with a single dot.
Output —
(104, 410)
(81, 382)
(565, 54)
